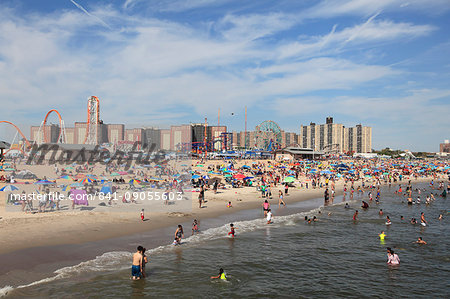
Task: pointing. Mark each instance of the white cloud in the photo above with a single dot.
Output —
(251, 27)
(149, 69)
(184, 5)
(367, 34)
(334, 8)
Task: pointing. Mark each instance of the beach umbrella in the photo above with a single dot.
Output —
(289, 179)
(155, 179)
(115, 174)
(134, 182)
(206, 177)
(228, 175)
(76, 185)
(9, 169)
(248, 177)
(123, 172)
(66, 177)
(87, 180)
(9, 188)
(44, 182)
(239, 176)
(106, 189)
(195, 176)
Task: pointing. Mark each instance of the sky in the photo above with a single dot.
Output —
(384, 64)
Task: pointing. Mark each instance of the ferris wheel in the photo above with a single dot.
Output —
(268, 135)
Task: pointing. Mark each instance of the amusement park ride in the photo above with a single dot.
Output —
(93, 114)
(268, 136)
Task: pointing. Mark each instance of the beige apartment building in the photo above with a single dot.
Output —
(336, 138)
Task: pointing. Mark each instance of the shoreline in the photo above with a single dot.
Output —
(42, 261)
(49, 258)
(104, 225)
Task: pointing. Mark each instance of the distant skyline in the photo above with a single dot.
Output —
(384, 64)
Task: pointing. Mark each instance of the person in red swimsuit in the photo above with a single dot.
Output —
(232, 228)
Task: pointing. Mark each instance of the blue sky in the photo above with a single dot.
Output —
(381, 63)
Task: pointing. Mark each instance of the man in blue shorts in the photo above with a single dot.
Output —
(136, 268)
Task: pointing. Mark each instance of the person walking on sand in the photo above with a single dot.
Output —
(136, 267)
(280, 198)
(142, 215)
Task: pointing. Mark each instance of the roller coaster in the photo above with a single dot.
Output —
(219, 143)
(91, 137)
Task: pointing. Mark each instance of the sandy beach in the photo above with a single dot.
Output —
(21, 230)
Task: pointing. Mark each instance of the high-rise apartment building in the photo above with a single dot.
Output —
(332, 137)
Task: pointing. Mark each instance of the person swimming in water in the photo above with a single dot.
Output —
(380, 212)
(382, 235)
(421, 241)
(388, 220)
(222, 275)
(365, 205)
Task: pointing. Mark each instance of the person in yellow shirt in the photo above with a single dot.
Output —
(382, 236)
(221, 275)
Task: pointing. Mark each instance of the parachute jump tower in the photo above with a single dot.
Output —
(93, 120)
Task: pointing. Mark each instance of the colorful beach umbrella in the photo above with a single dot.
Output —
(9, 188)
(239, 176)
(44, 182)
(289, 179)
(86, 180)
(134, 182)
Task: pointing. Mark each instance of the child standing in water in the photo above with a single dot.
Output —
(195, 227)
(232, 228)
(179, 234)
(269, 217)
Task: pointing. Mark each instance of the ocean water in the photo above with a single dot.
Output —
(331, 258)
